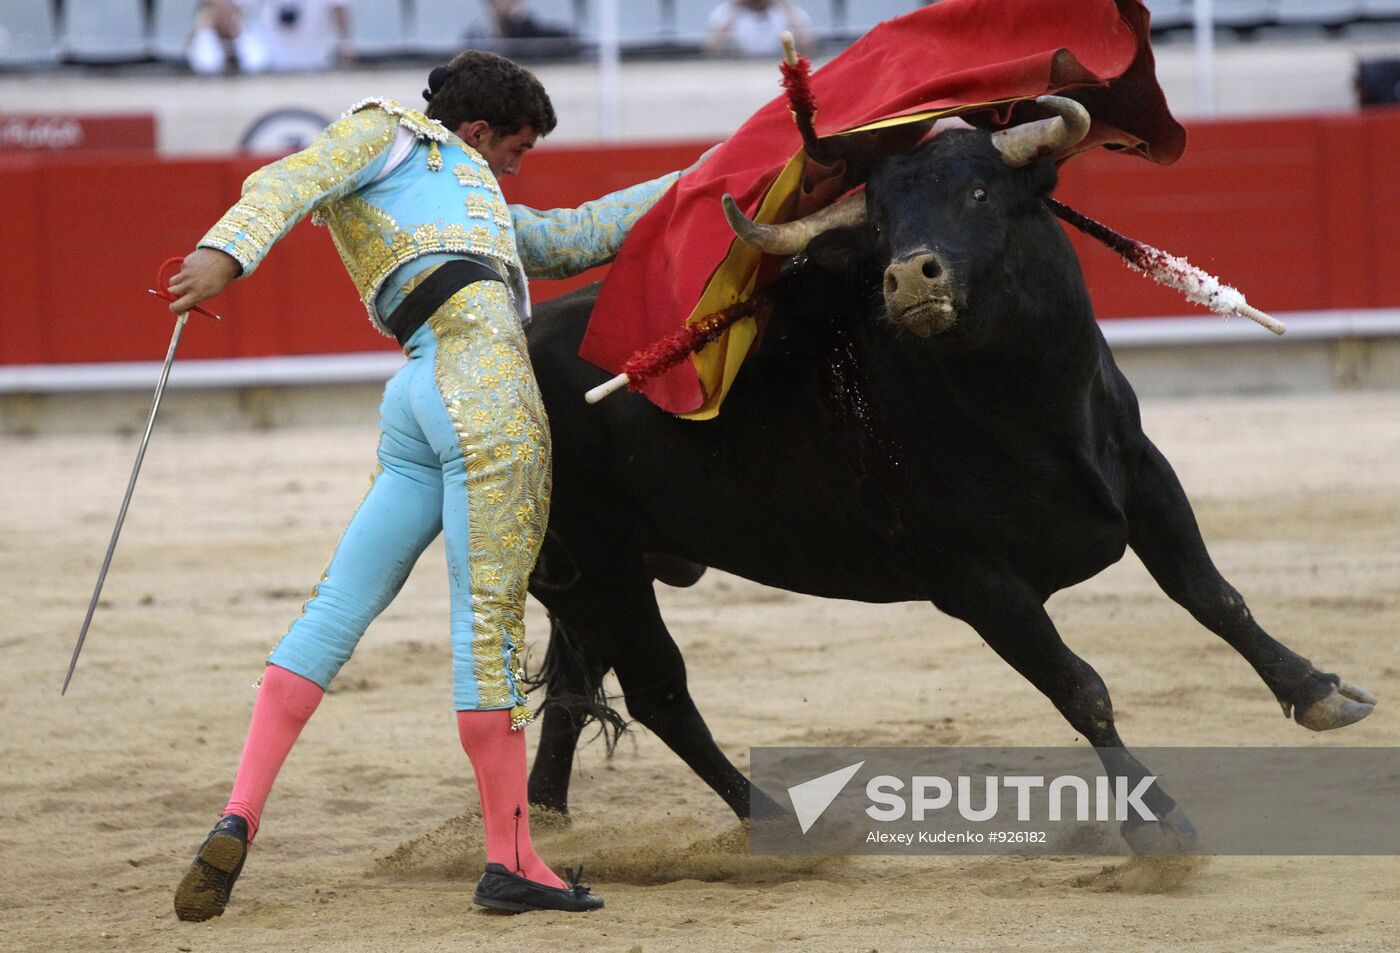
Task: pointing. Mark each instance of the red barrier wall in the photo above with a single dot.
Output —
(1300, 214)
(50, 132)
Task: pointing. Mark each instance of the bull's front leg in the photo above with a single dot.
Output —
(1162, 530)
(1011, 618)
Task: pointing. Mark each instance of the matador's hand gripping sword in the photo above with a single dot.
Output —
(167, 271)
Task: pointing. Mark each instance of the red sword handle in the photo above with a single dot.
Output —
(169, 269)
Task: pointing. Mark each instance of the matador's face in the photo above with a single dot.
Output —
(502, 152)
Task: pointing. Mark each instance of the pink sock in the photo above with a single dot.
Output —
(498, 757)
(285, 702)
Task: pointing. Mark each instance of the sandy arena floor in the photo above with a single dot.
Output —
(370, 842)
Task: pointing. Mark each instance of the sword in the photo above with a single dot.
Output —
(162, 279)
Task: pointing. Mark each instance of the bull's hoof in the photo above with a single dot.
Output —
(1342, 706)
(1173, 833)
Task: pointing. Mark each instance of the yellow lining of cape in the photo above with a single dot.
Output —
(717, 363)
(930, 114)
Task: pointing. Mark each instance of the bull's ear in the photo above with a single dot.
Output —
(1040, 177)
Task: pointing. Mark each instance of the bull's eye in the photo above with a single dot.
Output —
(979, 195)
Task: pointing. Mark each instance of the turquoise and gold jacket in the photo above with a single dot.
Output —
(396, 204)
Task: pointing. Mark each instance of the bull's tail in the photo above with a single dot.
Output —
(572, 677)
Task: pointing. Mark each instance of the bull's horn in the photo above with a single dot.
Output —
(1023, 144)
(789, 238)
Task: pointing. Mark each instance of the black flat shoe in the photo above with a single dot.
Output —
(205, 889)
(499, 889)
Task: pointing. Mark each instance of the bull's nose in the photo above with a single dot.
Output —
(916, 276)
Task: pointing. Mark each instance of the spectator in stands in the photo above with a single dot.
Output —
(753, 27)
(511, 29)
(270, 35)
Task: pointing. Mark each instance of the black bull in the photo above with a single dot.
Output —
(934, 415)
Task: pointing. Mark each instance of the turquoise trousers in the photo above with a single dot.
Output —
(463, 450)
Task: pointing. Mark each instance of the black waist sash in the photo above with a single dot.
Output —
(449, 278)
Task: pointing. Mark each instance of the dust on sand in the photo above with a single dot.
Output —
(370, 842)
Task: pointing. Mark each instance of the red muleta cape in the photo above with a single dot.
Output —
(973, 58)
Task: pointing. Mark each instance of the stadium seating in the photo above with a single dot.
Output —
(861, 15)
(1244, 14)
(377, 28)
(562, 13)
(1169, 14)
(27, 34)
(438, 26)
(1318, 12)
(170, 28)
(116, 31)
(691, 20)
(104, 31)
(640, 22)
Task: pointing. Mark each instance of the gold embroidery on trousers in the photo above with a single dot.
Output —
(488, 387)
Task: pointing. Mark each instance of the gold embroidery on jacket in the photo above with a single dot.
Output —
(468, 177)
(559, 243)
(411, 119)
(322, 179)
(278, 194)
(373, 245)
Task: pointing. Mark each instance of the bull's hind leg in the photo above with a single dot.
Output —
(1011, 618)
(612, 609)
(573, 676)
(1162, 530)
